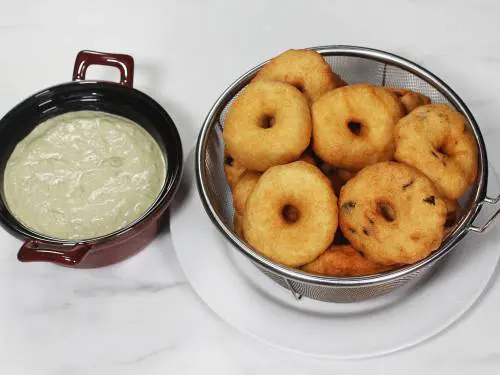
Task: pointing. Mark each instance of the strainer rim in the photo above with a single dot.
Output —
(460, 230)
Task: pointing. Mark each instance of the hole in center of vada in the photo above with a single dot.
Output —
(354, 127)
(442, 151)
(386, 211)
(290, 213)
(299, 86)
(267, 122)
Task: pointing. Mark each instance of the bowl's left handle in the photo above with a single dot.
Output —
(485, 226)
(124, 63)
(35, 251)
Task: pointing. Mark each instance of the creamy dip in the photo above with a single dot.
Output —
(83, 174)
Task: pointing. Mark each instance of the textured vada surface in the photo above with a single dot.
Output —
(435, 139)
(343, 261)
(299, 187)
(268, 124)
(392, 213)
(243, 189)
(353, 126)
(410, 99)
(232, 169)
(304, 69)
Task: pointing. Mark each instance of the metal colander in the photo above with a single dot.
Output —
(354, 65)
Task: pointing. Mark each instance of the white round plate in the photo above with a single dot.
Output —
(240, 294)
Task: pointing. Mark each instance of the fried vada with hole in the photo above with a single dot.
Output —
(392, 213)
(353, 126)
(436, 140)
(268, 124)
(294, 240)
(305, 69)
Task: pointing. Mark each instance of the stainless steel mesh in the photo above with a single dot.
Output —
(354, 65)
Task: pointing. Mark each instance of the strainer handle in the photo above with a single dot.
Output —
(485, 226)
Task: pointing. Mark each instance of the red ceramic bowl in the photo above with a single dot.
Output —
(115, 98)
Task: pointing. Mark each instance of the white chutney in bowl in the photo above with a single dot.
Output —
(83, 174)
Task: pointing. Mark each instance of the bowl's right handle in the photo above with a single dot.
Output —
(36, 251)
(485, 226)
(124, 63)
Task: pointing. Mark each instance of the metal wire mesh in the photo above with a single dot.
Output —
(353, 69)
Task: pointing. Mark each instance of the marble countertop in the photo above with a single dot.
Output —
(141, 316)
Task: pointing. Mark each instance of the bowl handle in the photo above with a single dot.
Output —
(35, 251)
(485, 226)
(124, 63)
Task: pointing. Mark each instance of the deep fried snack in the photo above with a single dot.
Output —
(243, 189)
(353, 126)
(294, 240)
(435, 139)
(232, 169)
(304, 69)
(410, 99)
(392, 213)
(268, 124)
(342, 261)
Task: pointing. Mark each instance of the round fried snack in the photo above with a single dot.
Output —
(297, 239)
(243, 189)
(342, 261)
(435, 139)
(232, 169)
(268, 124)
(304, 69)
(392, 213)
(353, 126)
(410, 99)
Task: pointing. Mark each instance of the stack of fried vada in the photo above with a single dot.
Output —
(342, 180)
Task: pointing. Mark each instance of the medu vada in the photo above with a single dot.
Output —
(410, 99)
(305, 69)
(436, 140)
(353, 126)
(232, 169)
(291, 240)
(392, 213)
(243, 189)
(342, 261)
(268, 124)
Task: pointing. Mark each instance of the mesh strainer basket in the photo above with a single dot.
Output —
(354, 65)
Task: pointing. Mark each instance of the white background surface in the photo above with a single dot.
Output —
(140, 317)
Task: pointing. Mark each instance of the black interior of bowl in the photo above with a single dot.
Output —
(97, 96)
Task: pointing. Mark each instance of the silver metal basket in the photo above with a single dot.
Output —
(353, 64)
